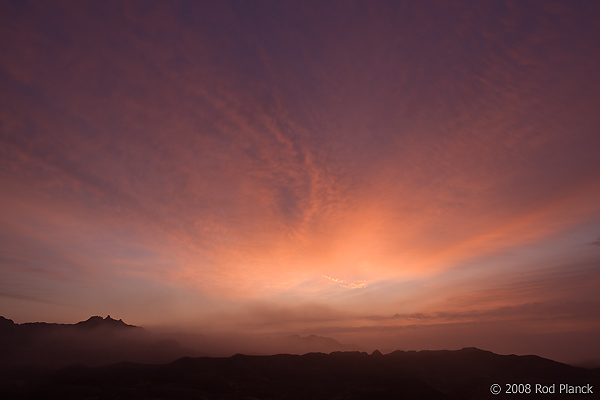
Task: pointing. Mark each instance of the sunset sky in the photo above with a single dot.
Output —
(410, 175)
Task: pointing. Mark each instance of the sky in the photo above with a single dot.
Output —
(400, 175)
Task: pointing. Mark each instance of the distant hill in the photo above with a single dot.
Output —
(314, 340)
(106, 358)
(95, 341)
(99, 322)
(465, 374)
(96, 322)
(229, 343)
(296, 344)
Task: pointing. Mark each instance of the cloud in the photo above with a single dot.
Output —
(347, 285)
(527, 311)
(20, 296)
(596, 243)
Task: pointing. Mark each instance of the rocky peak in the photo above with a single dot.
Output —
(97, 322)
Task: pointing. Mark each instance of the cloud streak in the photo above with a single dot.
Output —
(347, 285)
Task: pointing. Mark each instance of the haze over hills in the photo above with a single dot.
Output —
(107, 358)
(95, 341)
(98, 341)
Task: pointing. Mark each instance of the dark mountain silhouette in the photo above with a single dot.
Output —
(6, 323)
(93, 359)
(96, 341)
(463, 374)
(96, 322)
(99, 322)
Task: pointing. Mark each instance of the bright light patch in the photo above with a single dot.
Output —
(347, 285)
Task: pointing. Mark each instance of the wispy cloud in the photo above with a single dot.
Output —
(347, 285)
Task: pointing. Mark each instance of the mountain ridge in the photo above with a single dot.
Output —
(92, 322)
(95, 359)
(465, 374)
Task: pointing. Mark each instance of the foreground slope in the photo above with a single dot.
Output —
(462, 374)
